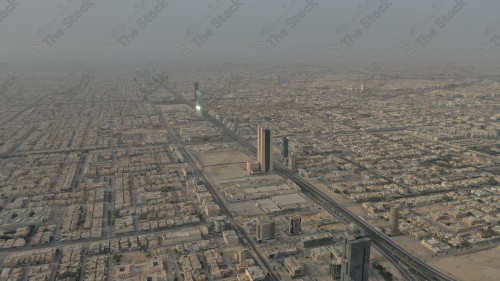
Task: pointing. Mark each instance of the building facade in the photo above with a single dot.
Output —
(356, 259)
(264, 149)
(294, 225)
(265, 230)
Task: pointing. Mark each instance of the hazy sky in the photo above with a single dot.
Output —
(37, 32)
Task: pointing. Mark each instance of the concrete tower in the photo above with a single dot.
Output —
(356, 257)
(265, 230)
(394, 220)
(264, 150)
(294, 225)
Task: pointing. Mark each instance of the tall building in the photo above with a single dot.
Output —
(294, 225)
(199, 104)
(356, 257)
(236, 124)
(284, 152)
(291, 161)
(394, 220)
(265, 230)
(336, 268)
(264, 151)
(195, 90)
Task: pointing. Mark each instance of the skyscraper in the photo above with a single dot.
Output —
(199, 104)
(264, 151)
(294, 225)
(394, 220)
(195, 90)
(284, 152)
(291, 161)
(356, 257)
(265, 230)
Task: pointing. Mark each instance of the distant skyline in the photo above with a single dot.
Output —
(378, 30)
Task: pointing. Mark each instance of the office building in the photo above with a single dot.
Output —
(199, 102)
(230, 237)
(254, 273)
(291, 161)
(294, 225)
(196, 88)
(356, 256)
(265, 230)
(264, 152)
(284, 151)
(317, 240)
(336, 268)
(394, 220)
(294, 267)
(242, 255)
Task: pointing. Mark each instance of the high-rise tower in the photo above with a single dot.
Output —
(264, 149)
(199, 101)
(394, 220)
(356, 256)
(294, 225)
(284, 152)
(265, 230)
(195, 90)
(200, 104)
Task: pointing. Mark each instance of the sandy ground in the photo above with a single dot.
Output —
(225, 172)
(413, 245)
(479, 266)
(219, 158)
(133, 257)
(246, 208)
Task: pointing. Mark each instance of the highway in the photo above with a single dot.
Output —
(382, 242)
(246, 239)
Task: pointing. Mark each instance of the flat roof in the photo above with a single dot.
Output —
(288, 199)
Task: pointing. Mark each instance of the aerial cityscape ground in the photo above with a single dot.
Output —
(139, 176)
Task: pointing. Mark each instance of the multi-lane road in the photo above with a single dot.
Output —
(418, 268)
(223, 208)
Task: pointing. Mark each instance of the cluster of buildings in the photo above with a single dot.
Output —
(126, 181)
